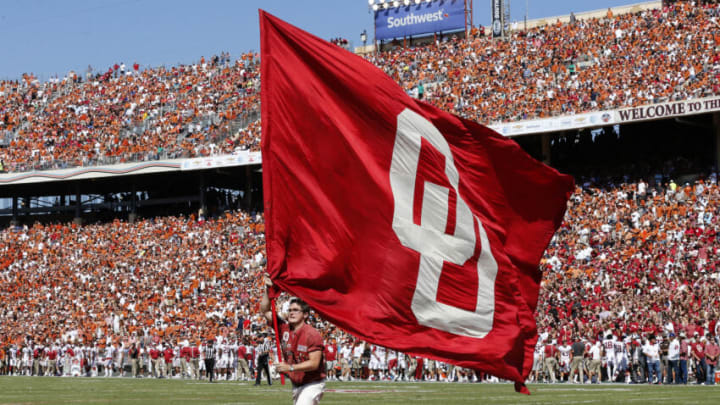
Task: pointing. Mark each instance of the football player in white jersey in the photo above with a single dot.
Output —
(93, 359)
(564, 349)
(223, 359)
(620, 359)
(232, 362)
(108, 360)
(381, 356)
(609, 349)
(373, 364)
(14, 368)
(537, 361)
(176, 361)
(26, 355)
(76, 360)
(392, 361)
(402, 365)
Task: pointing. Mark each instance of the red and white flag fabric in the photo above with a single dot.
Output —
(403, 224)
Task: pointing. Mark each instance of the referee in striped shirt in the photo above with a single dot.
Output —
(210, 359)
(263, 350)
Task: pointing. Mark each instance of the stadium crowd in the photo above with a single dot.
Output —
(631, 262)
(210, 107)
(588, 65)
(631, 282)
(631, 287)
(124, 115)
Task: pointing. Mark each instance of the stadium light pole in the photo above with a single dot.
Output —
(363, 38)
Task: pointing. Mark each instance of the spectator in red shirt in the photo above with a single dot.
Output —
(186, 356)
(331, 358)
(168, 356)
(154, 356)
(195, 361)
(551, 360)
(698, 353)
(711, 359)
(242, 367)
(684, 351)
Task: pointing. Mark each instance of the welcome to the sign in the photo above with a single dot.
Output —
(669, 109)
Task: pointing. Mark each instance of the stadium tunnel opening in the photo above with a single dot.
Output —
(680, 149)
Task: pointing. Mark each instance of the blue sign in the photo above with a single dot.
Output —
(418, 19)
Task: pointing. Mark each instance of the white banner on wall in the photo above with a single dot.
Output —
(238, 159)
(610, 117)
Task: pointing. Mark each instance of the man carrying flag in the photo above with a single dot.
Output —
(302, 350)
(404, 225)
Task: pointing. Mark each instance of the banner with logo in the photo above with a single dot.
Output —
(418, 19)
(497, 23)
(668, 109)
(241, 158)
(610, 117)
(555, 124)
(402, 224)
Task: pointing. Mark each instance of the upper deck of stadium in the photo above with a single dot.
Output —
(625, 57)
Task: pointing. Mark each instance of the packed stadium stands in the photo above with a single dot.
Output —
(207, 108)
(634, 260)
(631, 260)
(211, 107)
(595, 64)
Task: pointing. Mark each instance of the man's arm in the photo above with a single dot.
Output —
(311, 364)
(265, 309)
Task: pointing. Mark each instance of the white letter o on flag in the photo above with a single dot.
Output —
(429, 238)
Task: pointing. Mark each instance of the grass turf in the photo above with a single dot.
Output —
(48, 390)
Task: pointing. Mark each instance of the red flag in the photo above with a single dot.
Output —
(402, 224)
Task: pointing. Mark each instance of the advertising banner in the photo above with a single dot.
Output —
(497, 23)
(242, 158)
(669, 109)
(610, 117)
(418, 19)
(562, 123)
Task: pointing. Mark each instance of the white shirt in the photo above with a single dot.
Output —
(674, 350)
(652, 351)
(358, 351)
(595, 352)
(345, 351)
(565, 351)
(380, 353)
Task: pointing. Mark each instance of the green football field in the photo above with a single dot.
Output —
(47, 390)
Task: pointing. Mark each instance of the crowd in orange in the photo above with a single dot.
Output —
(172, 278)
(206, 108)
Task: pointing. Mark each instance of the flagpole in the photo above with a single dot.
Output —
(277, 338)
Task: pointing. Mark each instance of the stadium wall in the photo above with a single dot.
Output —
(131, 169)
